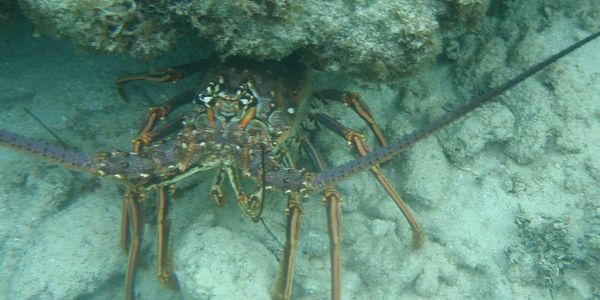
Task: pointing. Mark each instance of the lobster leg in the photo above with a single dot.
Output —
(357, 140)
(135, 225)
(164, 250)
(169, 74)
(146, 137)
(147, 134)
(125, 239)
(131, 224)
(332, 201)
(353, 101)
(285, 275)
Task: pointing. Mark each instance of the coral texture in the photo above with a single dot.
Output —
(125, 26)
(377, 40)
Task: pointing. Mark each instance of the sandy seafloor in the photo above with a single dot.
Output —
(508, 197)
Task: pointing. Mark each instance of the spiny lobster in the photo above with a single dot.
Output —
(247, 116)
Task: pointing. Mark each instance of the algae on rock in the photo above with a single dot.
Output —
(122, 26)
(377, 40)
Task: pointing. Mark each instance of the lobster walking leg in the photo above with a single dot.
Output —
(133, 237)
(285, 275)
(169, 74)
(147, 133)
(332, 201)
(353, 101)
(125, 238)
(357, 140)
(164, 249)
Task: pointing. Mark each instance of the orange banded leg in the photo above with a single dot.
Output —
(164, 247)
(332, 201)
(125, 238)
(146, 137)
(131, 237)
(170, 74)
(146, 133)
(162, 111)
(285, 275)
(131, 219)
(353, 101)
(357, 140)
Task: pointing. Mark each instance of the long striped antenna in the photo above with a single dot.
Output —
(51, 152)
(385, 153)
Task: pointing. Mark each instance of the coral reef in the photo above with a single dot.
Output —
(543, 252)
(127, 26)
(377, 40)
(553, 251)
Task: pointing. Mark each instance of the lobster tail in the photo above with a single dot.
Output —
(50, 152)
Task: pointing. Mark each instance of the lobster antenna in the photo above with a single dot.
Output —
(385, 153)
(263, 191)
(263, 175)
(262, 220)
(59, 141)
(54, 153)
